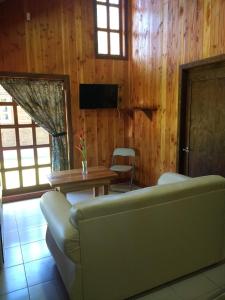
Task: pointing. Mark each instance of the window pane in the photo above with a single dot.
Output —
(12, 179)
(26, 137)
(42, 136)
(27, 157)
(8, 137)
(4, 96)
(114, 18)
(102, 42)
(29, 177)
(43, 155)
(10, 159)
(114, 1)
(23, 117)
(101, 16)
(6, 115)
(102, 1)
(114, 43)
(43, 172)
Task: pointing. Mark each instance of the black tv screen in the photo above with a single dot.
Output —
(94, 96)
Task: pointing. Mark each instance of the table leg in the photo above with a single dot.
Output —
(95, 191)
(106, 189)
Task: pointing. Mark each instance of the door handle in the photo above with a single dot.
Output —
(186, 149)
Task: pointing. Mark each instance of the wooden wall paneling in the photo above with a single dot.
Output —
(36, 39)
(142, 79)
(172, 88)
(155, 93)
(164, 34)
(191, 30)
(91, 134)
(102, 130)
(12, 38)
(137, 145)
(221, 24)
(119, 129)
(163, 103)
(215, 33)
(207, 12)
(195, 21)
(59, 39)
(54, 51)
(112, 134)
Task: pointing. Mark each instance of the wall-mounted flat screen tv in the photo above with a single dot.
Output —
(94, 96)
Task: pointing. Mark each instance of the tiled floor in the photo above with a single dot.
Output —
(27, 259)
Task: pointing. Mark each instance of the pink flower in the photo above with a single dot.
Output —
(82, 145)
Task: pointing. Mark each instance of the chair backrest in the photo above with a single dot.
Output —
(124, 152)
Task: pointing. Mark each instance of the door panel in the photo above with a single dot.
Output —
(205, 116)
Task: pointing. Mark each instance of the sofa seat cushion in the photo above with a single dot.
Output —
(57, 216)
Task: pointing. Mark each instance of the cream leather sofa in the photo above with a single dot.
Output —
(116, 246)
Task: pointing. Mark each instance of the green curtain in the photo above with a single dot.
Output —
(43, 100)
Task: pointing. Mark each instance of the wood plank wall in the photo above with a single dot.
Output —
(59, 39)
(165, 34)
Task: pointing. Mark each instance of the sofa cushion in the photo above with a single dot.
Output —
(171, 177)
(110, 204)
(57, 216)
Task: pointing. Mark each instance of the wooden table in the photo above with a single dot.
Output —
(73, 180)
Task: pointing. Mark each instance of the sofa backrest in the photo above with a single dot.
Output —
(145, 197)
(144, 238)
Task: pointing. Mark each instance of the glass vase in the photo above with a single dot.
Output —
(84, 167)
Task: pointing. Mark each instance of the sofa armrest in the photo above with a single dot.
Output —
(56, 210)
(171, 177)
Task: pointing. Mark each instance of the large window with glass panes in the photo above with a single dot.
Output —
(111, 28)
(24, 149)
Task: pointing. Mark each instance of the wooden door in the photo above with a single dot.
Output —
(203, 117)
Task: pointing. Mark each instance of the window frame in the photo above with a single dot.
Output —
(123, 29)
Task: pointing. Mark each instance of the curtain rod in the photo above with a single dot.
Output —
(33, 76)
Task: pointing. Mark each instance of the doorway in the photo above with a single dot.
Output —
(27, 150)
(24, 148)
(202, 116)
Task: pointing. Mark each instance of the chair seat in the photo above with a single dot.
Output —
(124, 168)
(121, 168)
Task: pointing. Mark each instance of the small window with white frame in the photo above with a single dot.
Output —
(111, 28)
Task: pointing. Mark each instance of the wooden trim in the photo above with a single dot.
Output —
(28, 189)
(95, 27)
(108, 56)
(182, 89)
(108, 28)
(68, 115)
(27, 196)
(34, 76)
(126, 32)
(202, 62)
